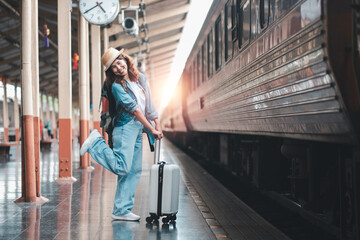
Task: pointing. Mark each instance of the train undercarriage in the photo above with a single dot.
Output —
(321, 179)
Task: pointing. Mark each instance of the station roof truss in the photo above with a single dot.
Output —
(160, 22)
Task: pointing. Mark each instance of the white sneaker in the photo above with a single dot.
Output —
(126, 217)
(89, 141)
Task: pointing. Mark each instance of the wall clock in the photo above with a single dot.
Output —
(99, 12)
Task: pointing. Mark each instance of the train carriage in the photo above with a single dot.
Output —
(278, 74)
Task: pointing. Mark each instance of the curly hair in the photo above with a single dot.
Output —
(133, 72)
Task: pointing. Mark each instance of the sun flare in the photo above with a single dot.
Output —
(196, 16)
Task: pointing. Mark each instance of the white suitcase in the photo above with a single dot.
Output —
(164, 189)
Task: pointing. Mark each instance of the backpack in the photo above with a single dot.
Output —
(108, 112)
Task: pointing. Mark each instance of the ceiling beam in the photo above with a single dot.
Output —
(156, 43)
(162, 62)
(155, 75)
(122, 41)
(17, 18)
(12, 31)
(46, 71)
(47, 82)
(167, 14)
(163, 6)
(51, 70)
(159, 51)
(163, 77)
(162, 69)
(166, 28)
(136, 2)
(10, 39)
(8, 48)
(158, 67)
(117, 28)
(165, 69)
(54, 81)
(170, 54)
(53, 90)
(9, 60)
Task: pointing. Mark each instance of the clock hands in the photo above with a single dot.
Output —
(97, 5)
(99, 12)
(90, 9)
(100, 6)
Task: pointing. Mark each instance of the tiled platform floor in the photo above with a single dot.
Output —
(82, 210)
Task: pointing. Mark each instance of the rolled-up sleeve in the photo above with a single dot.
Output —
(123, 98)
(151, 112)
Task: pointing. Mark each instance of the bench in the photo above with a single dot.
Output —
(46, 140)
(46, 143)
(5, 147)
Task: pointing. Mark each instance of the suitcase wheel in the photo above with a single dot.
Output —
(165, 220)
(149, 219)
(169, 218)
(152, 217)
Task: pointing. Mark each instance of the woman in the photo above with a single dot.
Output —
(134, 110)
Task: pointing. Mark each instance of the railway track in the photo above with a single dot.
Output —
(271, 207)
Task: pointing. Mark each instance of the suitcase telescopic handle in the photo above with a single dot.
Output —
(157, 151)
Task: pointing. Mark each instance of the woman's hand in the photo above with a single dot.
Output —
(157, 134)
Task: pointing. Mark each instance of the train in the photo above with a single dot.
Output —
(270, 94)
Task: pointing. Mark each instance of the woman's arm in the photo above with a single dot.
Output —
(140, 116)
(157, 125)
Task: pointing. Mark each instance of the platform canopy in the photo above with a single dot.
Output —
(161, 23)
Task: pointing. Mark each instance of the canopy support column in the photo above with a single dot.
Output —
(16, 116)
(35, 91)
(105, 38)
(65, 93)
(53, 118)
(96, 74)
(6, 113)
(84, 85)
(28, 153)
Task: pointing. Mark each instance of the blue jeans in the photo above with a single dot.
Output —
(124, 160)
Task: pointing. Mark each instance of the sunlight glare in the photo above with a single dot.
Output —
(197, 13)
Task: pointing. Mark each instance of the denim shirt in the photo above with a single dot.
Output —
(126, 104)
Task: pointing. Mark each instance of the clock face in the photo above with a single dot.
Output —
(99, 12)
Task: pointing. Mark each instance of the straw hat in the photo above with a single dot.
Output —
(109, 57)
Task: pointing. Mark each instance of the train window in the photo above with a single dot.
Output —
(278, 8)
(281, 7)
(203, 62)
(198, 70)
(245, 22)
(271, 11)
(264, 13)
(234, 31)
(210, 53)
(191, 75)
(190, 81)
(227, 31)
(194, 73)
(293, 2)
(255, 21)
(239, 22)
(218, 43)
